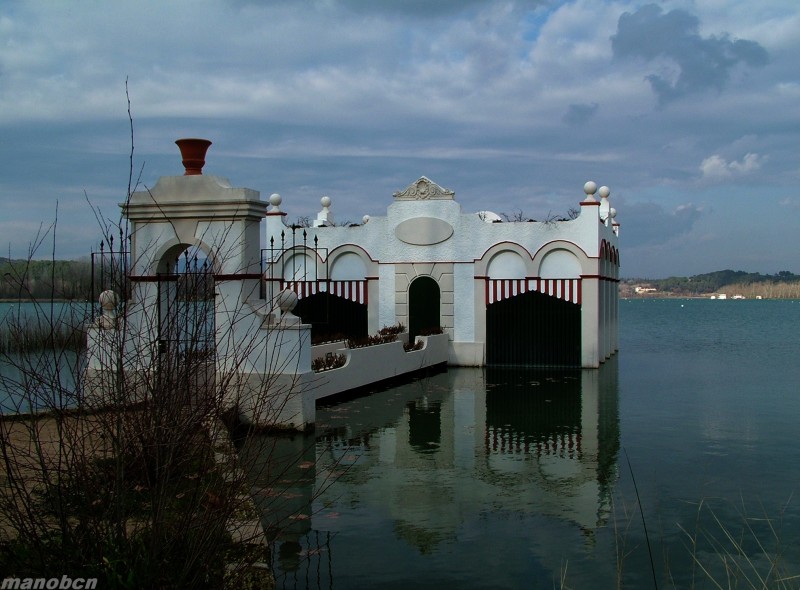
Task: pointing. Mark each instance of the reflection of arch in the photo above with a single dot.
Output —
(424, 425)
(424, 300)
(549, 423)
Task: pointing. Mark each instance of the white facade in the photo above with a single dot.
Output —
(474, 262)
(503, 293)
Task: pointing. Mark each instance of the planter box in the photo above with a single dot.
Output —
(372, 364)
(321, 350)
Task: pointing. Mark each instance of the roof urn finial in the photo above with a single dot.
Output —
(193, 154)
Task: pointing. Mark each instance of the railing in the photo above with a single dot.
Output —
(282, 259)
(110, 270)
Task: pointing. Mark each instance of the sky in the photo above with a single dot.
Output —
(689, 111)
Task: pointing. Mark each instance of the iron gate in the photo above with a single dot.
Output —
(186, 326)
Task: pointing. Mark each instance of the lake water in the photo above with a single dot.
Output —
(47, 376)
(481, 478)
(521, 479)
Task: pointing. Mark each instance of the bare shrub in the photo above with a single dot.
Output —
(130, 474)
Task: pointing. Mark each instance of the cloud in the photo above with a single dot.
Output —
(716, 167)
(651, 224)
(404, 8)
(578, 114)
(694, 63)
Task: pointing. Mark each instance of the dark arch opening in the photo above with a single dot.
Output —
(332, 317)
(533, 330)
(424, 300)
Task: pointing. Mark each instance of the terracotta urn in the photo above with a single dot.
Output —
(193, 153)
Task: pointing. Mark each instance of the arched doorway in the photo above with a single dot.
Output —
(533, 330)
(186, 322)
(424, 300)
(185, 363)
(332, 317)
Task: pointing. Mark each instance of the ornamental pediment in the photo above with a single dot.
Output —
(424, 189)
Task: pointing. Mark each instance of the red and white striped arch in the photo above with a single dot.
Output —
(565, 289)
(355, 291)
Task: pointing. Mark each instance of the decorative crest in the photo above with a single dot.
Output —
(424, 189)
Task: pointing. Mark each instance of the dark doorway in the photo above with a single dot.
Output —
(186, 322)
(332, 317)
(533, 330)
(185, 363)
(423, 307)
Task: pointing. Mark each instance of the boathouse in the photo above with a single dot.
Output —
(523, 293)
(219, 289)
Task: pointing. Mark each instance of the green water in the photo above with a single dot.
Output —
(512, 479)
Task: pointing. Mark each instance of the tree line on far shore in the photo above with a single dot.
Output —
(45, 279)
(781, 285)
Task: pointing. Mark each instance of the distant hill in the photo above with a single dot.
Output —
(712, 282)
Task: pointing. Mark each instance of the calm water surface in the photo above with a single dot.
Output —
(512, 479)
(38, 371)
(480, 478)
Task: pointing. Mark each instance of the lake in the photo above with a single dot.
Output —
(489, 478)
(503, 478)
(46, 374)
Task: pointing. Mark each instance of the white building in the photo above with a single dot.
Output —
(520, 293)
(505, 293)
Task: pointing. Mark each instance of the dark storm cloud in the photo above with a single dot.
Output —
(650, 223)
(578, 114)
(704, 63)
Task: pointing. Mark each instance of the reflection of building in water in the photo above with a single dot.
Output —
(282, 471)
(564, 432)
(473, 440)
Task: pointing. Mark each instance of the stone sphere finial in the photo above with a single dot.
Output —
(275, 200)
(325, 201)
(108, 304)
(590, 188)
(108, 301)
(604, 192)
(287, 300)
